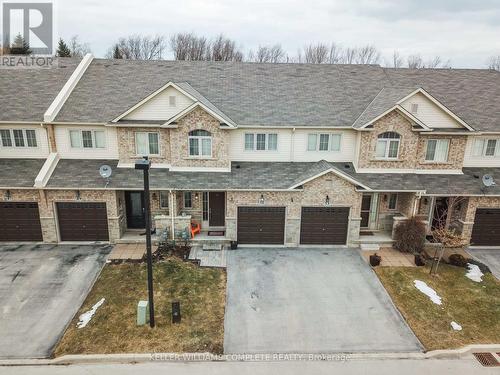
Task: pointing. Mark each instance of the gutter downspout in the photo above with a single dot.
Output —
(172, 213)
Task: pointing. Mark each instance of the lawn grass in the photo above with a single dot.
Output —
(475, 306)
(113, 329)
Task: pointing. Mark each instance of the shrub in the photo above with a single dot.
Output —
(449, 238)
(409, 236)
(458, 260)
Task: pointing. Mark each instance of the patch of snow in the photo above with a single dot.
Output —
(86, 316)
(428, 291)
(474, 273)
(456, 326)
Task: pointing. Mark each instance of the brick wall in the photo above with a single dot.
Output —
(126, 144)
(412, 147)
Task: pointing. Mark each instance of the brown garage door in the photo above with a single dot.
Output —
(486, 230)
(324, 225)
(20, 221)
(83, 221)
(261, 225)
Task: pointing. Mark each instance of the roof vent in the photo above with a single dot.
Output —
(237, 166)
(475, 176)
(347, 166)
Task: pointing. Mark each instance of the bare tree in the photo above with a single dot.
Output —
(416, 62)
(188, 46)
(335, 54)
(268, 54)
(77, 48)
(137, 47)
(397, 60)
(494, 63)
(316, 53)
(367, 55)
(349, 56)
(224, 49)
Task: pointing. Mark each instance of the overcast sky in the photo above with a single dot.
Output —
(465, 31)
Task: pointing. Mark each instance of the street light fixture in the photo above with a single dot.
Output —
(144, 165)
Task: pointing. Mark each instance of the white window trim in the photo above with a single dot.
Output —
(485, 146)
(437, 141)
(148, 154)
(389, 202)
(387, 148)
(318, 136)
(25, 139)
(80, 147)
(200, 146)
(184, 199)
(162, 201)
(255, 142)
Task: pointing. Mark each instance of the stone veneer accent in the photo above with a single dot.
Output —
(127, 149)
(199, 119)
(412, 146)
(340, 192)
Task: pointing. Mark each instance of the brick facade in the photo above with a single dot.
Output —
(127, 150)
(412, 146)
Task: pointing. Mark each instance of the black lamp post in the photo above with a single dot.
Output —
(144, 165)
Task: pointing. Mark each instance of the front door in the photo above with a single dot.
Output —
(217, 208)
(134, 201)
(366, 204)
(440, 213)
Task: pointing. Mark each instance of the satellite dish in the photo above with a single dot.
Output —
(105, 171)
(488, 180)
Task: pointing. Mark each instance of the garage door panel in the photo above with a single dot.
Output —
(82, 221)
(20, 221)
(261, 225)
(324, 225)
(486, 230)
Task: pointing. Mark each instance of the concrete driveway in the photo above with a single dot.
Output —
(41, 289)
(309, 301)
(490, 257)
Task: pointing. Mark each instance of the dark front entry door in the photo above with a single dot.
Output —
(440, 213)
(217, 209)
(365, 210)
(134, 201)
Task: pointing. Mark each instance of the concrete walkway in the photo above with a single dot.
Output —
(309, 301)
(490, 257)
(41, 289)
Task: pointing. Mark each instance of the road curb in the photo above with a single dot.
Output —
(207, 357)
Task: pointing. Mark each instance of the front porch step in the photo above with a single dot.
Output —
(369, 247)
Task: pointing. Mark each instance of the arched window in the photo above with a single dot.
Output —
(388, 145)
(200, 144)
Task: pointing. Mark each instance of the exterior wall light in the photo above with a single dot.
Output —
(8, 195)
(261, 199)
(78, 195)
(327, 200)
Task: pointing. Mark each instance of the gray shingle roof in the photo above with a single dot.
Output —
(84, 174)
(25, 94)
(283, 94)
(19, 172)
(385, 99)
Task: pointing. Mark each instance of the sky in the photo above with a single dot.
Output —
(467, 32)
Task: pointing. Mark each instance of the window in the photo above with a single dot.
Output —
(87, 138)
(200, 143)
(388, 145)
(18, 138)
(323, 142)
(171, 100)
(188, 202)
(393, 201)
(261, 142)
(414, 107)
(164, 197)
(437, 150)
(147, 143)
(486, 147)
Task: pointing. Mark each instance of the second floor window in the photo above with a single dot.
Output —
(200, 144)
(147, 143)
(437, 150)
(87, 138)
(323, 142)
(261, 142)
(388, 145)
(486, 147)
(18, 138)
